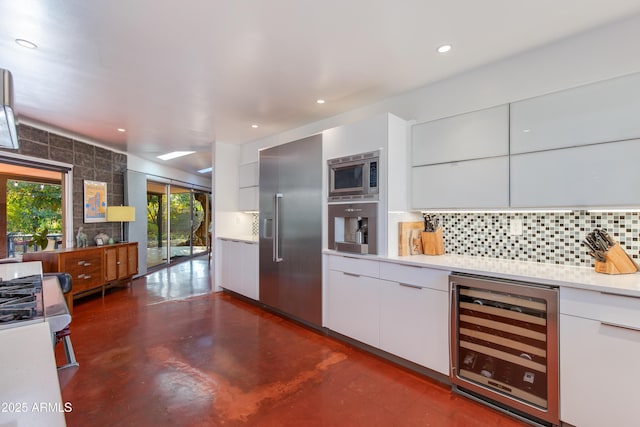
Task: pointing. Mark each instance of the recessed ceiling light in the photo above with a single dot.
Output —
(174, 154)
(26, 43)
(205, 170)
(254, 126)
(320, 101)
(444, 48)
(121, 130)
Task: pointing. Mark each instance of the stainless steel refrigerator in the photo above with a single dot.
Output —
(291, 229)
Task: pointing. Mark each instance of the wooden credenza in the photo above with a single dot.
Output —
(92, 269)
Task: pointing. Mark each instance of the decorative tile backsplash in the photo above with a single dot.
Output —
(553, 238)
(255, 224)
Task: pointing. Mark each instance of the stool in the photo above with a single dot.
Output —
(64, 335)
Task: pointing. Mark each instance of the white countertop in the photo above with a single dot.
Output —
(29, 387)
(547, 274)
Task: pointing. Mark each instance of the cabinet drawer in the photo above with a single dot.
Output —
(616, 310)
(363, 267)
(84, 268)
(416, 276)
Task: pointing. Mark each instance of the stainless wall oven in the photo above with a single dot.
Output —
(504, 345)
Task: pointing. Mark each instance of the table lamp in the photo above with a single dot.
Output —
(121, 214)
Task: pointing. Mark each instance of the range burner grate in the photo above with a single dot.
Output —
(19, 298)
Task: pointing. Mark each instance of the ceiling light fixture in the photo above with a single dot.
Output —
(444, 48)
(26, 43)
(254, 126)
(121, 130)
(174, 154)
(205, 170)
(320, 101)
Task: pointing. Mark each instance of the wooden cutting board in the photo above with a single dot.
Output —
(409, 238)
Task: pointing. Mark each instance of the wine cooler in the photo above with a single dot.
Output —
(504, 345)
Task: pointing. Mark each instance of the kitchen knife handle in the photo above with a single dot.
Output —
(276, 227)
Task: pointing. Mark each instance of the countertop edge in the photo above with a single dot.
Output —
(541, 273)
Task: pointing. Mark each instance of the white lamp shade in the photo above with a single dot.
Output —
(121, 213)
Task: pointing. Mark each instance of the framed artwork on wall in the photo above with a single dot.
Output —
(95, 201)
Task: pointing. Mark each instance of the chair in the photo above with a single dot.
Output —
(64, 335)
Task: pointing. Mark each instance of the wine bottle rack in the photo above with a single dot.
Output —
(505, 342)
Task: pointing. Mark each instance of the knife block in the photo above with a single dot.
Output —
(432, 242)
(618, 262)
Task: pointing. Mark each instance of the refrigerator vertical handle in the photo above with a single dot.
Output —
(276, 227)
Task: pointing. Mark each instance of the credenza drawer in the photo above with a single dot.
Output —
(85, 269)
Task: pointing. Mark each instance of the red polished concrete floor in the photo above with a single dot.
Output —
(168, 352)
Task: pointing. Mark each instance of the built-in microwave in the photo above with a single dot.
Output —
(354, 177)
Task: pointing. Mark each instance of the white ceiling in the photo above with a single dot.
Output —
(179, 75)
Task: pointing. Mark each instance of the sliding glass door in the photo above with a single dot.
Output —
(157, 236)
(178, 223)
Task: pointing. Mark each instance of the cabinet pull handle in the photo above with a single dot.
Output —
(80, 276)
(87, 276)
(350, 274)
(615, 325)
(86, 264)
(80, 262)
(117, 262)
(411, 265)
(407, 285)
(619, 295)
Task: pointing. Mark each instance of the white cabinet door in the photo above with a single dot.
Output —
(230, 265)
(475, 135)
(482, 183)
(599, 373)
(248, 199)
(239, 267)
(353, 306)
(248, 175)
(594, 175)
(601, 112)
(413, 324)
(249, 270)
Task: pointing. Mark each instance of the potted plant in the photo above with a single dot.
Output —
(40, 239)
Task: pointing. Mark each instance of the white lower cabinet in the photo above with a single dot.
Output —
(353, 306)
(402, 310)
(599, 354)
(239, 267)
(413, 324)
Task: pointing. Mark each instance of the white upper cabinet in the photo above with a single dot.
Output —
(600, 112)
(594, 175)
(249, 175)
(461, 161)
(481, 183)
(475, 135)
(248, 181)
